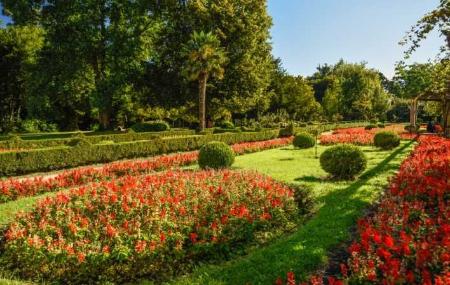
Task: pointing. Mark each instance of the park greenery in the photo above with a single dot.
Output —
(161, 142)
(99, 65)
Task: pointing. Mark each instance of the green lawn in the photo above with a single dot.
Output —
(338, 207)
(305, 251)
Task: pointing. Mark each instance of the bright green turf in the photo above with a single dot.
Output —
(339, 204)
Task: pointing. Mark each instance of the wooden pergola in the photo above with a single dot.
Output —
(432, 97)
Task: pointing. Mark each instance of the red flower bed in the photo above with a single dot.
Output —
(361, 136)
(145, 226)
(12, 189)
(407, 240)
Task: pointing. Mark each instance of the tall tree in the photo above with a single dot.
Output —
(19, 47)
(104, 40)
(243, 28)
(205, 60)
(438, 18)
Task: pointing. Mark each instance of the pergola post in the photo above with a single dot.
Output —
(413, 113)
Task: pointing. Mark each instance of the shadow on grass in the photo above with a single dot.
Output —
(286, 159)
(309, 178)
(305, 251)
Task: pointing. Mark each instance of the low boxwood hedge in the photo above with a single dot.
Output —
(152, 126)
(22, 162)
(13, 143)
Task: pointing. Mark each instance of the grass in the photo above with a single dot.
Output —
(339, 204)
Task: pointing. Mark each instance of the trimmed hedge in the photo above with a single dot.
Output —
(22, 162)
(386, 140)
(343, 161)
(93, 139)
(152, 126)
(304, 140)
(215, 155)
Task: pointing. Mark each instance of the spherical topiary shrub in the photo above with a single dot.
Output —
(386, 140)
(304, 140)
(343, 161)
(215, 155)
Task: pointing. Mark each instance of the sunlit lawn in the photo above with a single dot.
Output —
(338, 205)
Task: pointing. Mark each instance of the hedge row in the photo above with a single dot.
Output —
(22, 162)
(93, 139)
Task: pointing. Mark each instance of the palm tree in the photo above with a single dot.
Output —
(205, 59)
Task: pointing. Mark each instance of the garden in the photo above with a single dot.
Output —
(165, 142)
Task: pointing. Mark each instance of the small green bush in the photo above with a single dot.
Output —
(216, 155)
(343, 161)
(304, 140)
(289, 131)
(386, 140)
(381, 126)
(153, 126)
(370, 127)
(373, 122)
(226, 125)
(302, 125)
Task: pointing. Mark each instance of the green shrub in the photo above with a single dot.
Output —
(289, 131)
(343, 161)
(370, 127)
(302, 125)
(387, 140)
(79, 142)
(153, 126)
(304, 140)
(381, 126)
(226, 125)
(373, 122)
(215, 155)
(60, 157)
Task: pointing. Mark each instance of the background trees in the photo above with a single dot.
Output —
(350, 91)
(19, 47)
(96, 64)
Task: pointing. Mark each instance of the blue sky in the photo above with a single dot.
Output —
(307, 33)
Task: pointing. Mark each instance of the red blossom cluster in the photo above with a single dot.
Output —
(145, 225)
(361, 136)
(407, 240)
(13, 189)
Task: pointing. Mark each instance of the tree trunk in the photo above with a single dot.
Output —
(202, 101)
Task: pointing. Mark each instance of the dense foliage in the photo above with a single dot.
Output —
(215, 155)
(157, 225)
(350, 92)
(343, 161)
(155, 126)
(304, 140)
(386, 140)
